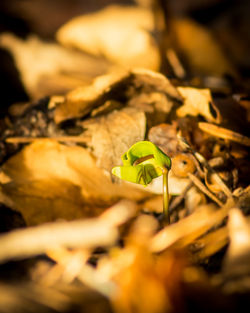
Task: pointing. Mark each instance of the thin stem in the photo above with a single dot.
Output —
(165, 196)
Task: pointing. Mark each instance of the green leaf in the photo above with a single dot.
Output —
(143, 162)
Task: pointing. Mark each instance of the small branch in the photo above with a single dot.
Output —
(37, 240)
(19, 140)
(165, 196)
(177, 201)
(203, 188)
(87, 233)
(188, 229)
(224, 133)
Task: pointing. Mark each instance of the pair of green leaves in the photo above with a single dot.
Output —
(143, 162)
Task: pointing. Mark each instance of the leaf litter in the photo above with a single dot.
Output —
(90, 235)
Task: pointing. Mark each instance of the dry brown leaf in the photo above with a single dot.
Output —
(113, 134)
(50, 181)
(121, 34)
(48, 68)
(198, 102)
(119, 86)
(80, 101)
(201, 49)
(47, 200)
(165, 137)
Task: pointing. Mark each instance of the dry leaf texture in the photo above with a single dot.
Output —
(198, 102)
(96, 34)
(120, 86)
(49, 181)
(48, 68)
(113, 134)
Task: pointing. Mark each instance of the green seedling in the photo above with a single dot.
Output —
(143, 162)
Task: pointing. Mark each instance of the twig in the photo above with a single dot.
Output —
(188, 229)
(88, 233)
(203, 188)
(36, 240)
(174, 204)
(211, 243)
(224, 133)
(18, 140)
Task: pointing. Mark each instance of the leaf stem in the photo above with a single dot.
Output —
(165, 196)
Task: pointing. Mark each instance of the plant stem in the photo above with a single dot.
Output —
(165, 196)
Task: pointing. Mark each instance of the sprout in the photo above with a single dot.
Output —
(143, 162)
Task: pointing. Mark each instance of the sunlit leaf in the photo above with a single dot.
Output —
(121, 34)
(198, 102)
(48, 181)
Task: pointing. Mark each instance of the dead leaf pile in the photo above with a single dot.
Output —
(94, 243)
(91, 45)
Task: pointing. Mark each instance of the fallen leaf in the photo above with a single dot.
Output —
(121, 34)
(198, 102)
(199, 46)
(49, 181)
(122, 86)
(165, 137)
(48, 68)
(113, 134)
(80, 101)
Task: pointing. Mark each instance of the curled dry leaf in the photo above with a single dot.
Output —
(48, 68)
(121, 34)
(198, 102)
(80, 101)
(49, 181)
(121, 86)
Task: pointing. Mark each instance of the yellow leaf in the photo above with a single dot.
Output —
(48, 68)
(198, 102)
(119, 33)
(203, 52)
(49, 181)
